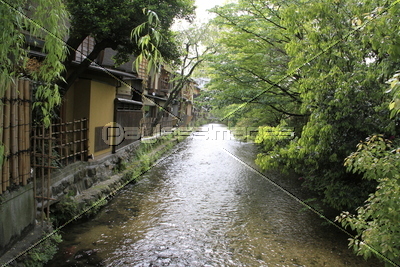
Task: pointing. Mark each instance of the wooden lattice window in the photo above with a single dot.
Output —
(84, 49)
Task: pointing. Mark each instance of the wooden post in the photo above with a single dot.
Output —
(74, 139)
(27, 130)
(2, 178)
(6, 138)
(42, 163)
(14, 134)
(20, 130)
(82, 142)
(86, 138)
(64, 142)
(34, 164)
(59, 141)
(49, 156)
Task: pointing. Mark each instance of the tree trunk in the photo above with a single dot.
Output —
(84, 65)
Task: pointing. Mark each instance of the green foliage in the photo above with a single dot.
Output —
(72, 208)
(270, 137)
(195, 45)
(43, 252)
(318, 67)
(148, 40)
(42, 23)
(112, 22)
(66, 209)
(120, 166)
(123, 26)
(232, 112)
(249, 60)
(49, 26)
(377, 221)
(12, 42)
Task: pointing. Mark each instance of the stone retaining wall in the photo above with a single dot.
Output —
(16, 216)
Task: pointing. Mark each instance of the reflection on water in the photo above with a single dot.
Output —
(201, 207)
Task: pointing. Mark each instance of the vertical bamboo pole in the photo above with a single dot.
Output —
(27, 132)
(82, 142)
(59, 143)
(49, 155)
(2, 178)
(74, 139)
(20, 127)
(62, 148)
(34, 164)
(14, 134)
(66, 141)
(86, 138)
(6, 137)
(42, 163)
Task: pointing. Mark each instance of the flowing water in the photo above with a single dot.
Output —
(204, 206)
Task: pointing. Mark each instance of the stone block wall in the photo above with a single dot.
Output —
(17, 216)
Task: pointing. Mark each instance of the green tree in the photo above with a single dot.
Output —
(250, 63)
(195, 46)
(148, 40)
(111, 23)
(340, 83)
(377, 221)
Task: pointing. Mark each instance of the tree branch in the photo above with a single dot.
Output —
(294, 96)
(287, 113)
(84, 65)
(263, 16)
(270, 42)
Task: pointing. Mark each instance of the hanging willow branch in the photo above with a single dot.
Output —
(148, 39)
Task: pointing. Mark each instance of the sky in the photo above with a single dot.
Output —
(202, 15)
(203, 5)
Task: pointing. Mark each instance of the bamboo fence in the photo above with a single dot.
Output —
(33, 152)
(15, 120)
(54, 147)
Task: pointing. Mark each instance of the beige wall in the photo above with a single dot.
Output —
(93, 100)
(102, 97)
(76, 101)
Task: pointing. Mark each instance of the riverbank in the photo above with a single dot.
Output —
(34, 249)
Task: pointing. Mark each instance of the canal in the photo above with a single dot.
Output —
(204, 205)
